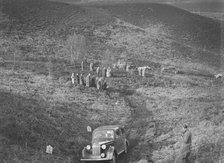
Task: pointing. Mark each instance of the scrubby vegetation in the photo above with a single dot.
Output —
(42, 43)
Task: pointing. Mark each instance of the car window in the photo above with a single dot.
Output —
(118, 132)
(103, 134)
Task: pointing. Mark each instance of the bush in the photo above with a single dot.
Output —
(76, 47)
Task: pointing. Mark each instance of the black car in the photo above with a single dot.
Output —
(108, 142)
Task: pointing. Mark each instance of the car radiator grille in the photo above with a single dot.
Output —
(96, 150)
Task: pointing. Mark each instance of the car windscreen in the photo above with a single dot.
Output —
(103, 134)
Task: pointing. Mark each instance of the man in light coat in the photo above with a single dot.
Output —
(108, 73)
(186, 146)
(88, 80)
(127, 67)
(73, 78)
(140, 71)
(82, 66)
(98, 83)
(98, 71)
(91, 66)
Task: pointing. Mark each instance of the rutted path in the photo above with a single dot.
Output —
(140, 130)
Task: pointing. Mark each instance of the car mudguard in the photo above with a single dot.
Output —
(85, 153)
(110, 152)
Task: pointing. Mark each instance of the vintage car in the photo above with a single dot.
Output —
(108, 142)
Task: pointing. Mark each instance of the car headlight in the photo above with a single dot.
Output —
(103, 155)
(88, 147)
(104, 146)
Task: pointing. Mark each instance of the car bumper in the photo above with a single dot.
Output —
(96, 159)
(90, 157)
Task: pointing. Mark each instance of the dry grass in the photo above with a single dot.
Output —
(39, 105)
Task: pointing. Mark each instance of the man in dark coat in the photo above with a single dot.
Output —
(104, 85)
(77, 78)
(80, 79)
(91, 66)
(93, 81)
(104, 72)
(186, 146)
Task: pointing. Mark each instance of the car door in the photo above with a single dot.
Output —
(118, 141)
(123, 139)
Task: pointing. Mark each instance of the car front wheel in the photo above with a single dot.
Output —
(113, 159)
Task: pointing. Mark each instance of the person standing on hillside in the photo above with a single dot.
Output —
(115, 66)
(93, 81)
(73, 78)
(104, 72)
(101, 82)
(98, 71)
(81, 82)
(104, 85)
(98, 83)
(143, 71)
(186, 146)
(108, 74)
(77, 78)
(88, 80)
(91, 66)
(82, 66)
(140, 71)
(127, 67)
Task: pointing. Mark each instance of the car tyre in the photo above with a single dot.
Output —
(113, 159)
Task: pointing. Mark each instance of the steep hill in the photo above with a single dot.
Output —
(203, 6)
(212, 9)
(203, 35)
(40, 106)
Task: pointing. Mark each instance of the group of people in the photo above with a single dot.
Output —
(142, 70)
(89, 81)
(92, 79)
(97, 75)
(100, 72)
(123, 65)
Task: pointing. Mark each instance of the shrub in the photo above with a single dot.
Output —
(76, 47)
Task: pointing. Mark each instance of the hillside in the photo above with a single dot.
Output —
(203, 6)
(211, 9)
(40, 106)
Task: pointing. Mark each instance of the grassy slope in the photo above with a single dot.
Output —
(209, 9)
(211, 6)
(39, 105)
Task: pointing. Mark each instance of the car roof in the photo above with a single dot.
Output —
(108, 127)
